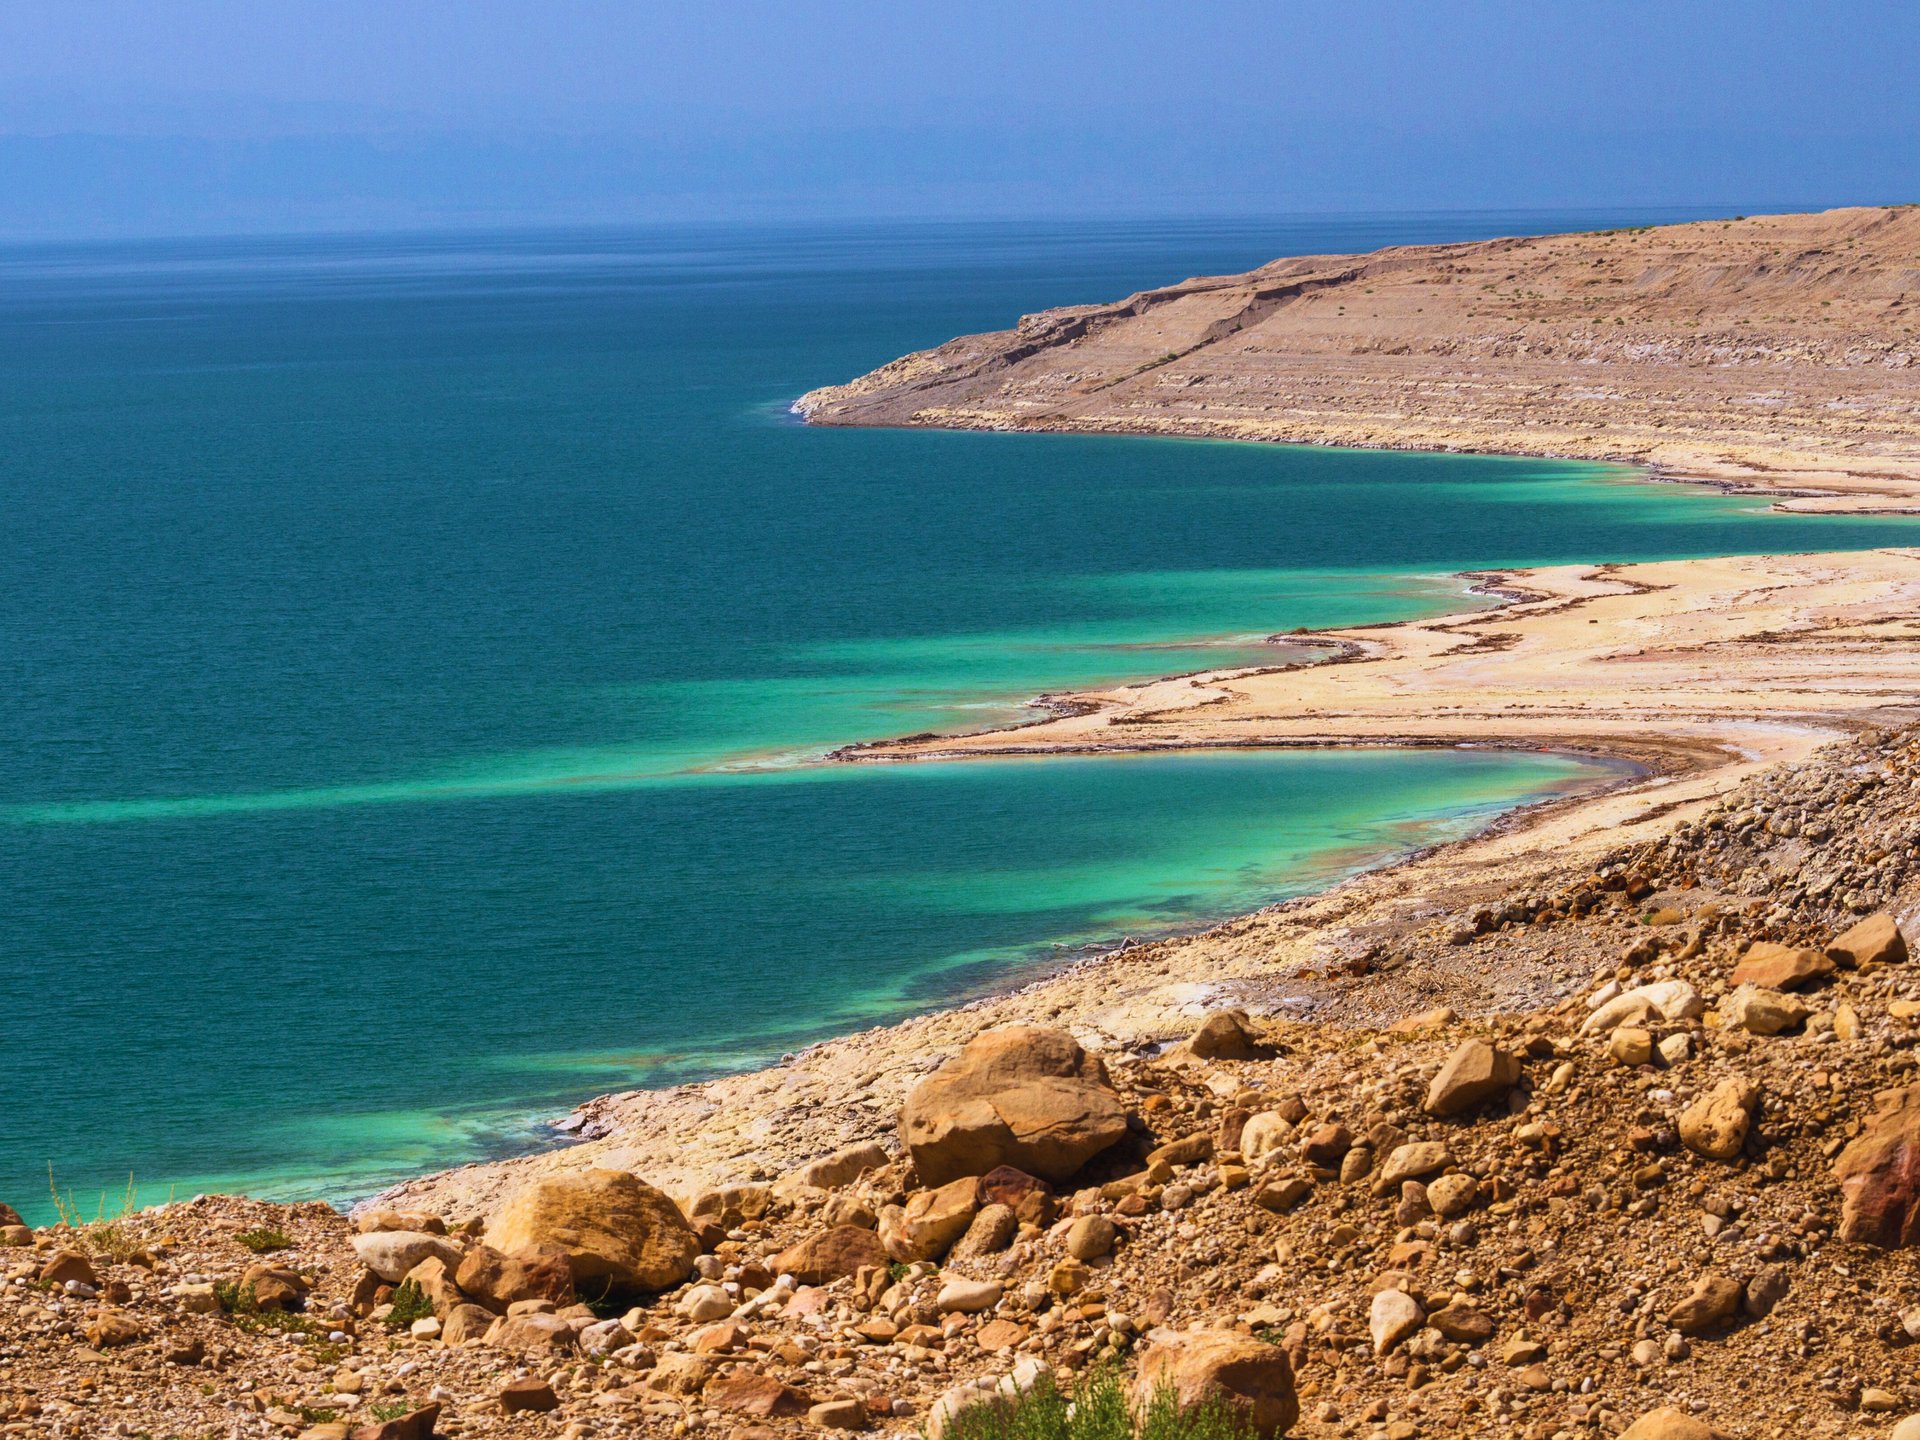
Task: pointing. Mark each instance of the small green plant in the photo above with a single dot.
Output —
(1099, 1409)
(235, 1298)
(260, 1242)
(897, 1271)
(410, 1303)
(105, 1234)
(390, 1409)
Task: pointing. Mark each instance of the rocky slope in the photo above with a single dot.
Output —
(1777, 351)
(1657, 1171)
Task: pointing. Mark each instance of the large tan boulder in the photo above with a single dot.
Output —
(1670, 1424)
(1022, 1095)
(1876, 940)
(1879, 1175)
(830, 1172)
(616, 1231)
(1474, 1074)
(1716, 1124)
(495, 1279)
(1222, 1366)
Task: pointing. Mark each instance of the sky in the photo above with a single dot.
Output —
(126, 117)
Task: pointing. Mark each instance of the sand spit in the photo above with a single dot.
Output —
(1776, 353)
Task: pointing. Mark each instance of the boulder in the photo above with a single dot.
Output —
(1265, 1134)
(1716, 1125)
(617, 1232)
(745, 1392)
(64, 1265)
(414, 1425)
(1762, 1012)
(108, 1327)
(991, 1232)
(9, 1216)
(1879, 1175)
(931, 1220)
(390, 1254)
(466, 1322)
(831, 1254)
(1203, 1366)
(1227, 1035)
(1415, 1160)
(530, 1334)
(1631, 1046)
(1670, 1424)
(1452, 1195)
(531, 1395)
(1091, 1236)
(967, 1297)
(729, 1207)
(1781, 967)
(1713, 1301)
(274, 1287)
(496, 1280)
(1021, 1095)
(1671, 1000)
(1475, 1074)
(842, 1167)
(1327, 1145)
(1875, 940)
(1393, 1316)
(368, 1221)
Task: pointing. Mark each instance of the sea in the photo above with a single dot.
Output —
(419, 655)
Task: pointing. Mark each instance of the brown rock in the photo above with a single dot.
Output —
(1879, 1175)
(464, 1323)
(495, 1280)
(532, 1395)
(370, 1222)
(831, 1254)
(1716, 1125)
(1091, 1236)
(1713, 1301)
(1021, 1095)
(1876, 940)
(530, 1334)
(107, 1328)
(838, 1415)
(274, 1288)
(617, 1232)
(931, 1220)
(65, 1265)
(1473, 1075)
(414, 1425)
(1780, 967)
(1327, 1145)
(681, 1373)
(1463, 1324)
(1227, 1035)
(1204, 1365)
(1670, 1424)
(991, 1232)
(744, 1392)
(1187, 1150)
(1762, 1012)
(731, 1206)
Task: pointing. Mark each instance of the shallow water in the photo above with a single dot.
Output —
(410, 645)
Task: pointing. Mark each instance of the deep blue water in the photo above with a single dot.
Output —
(410, 644)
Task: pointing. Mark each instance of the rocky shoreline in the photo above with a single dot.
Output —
(1534, 1150)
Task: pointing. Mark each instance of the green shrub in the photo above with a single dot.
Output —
(262, 1241)
(410, 1303)
(1098, 1409)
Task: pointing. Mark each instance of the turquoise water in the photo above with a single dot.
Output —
(414, 648)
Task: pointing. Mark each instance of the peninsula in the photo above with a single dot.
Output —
(1779, 353)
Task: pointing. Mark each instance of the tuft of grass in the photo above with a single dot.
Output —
(410, 1303)
(1099, 1409)
(105, 1234)
(390, 1409)
(260, 1242)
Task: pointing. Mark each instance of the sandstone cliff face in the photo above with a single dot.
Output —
(1780, 347)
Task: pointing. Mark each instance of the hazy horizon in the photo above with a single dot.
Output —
(215, 117)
